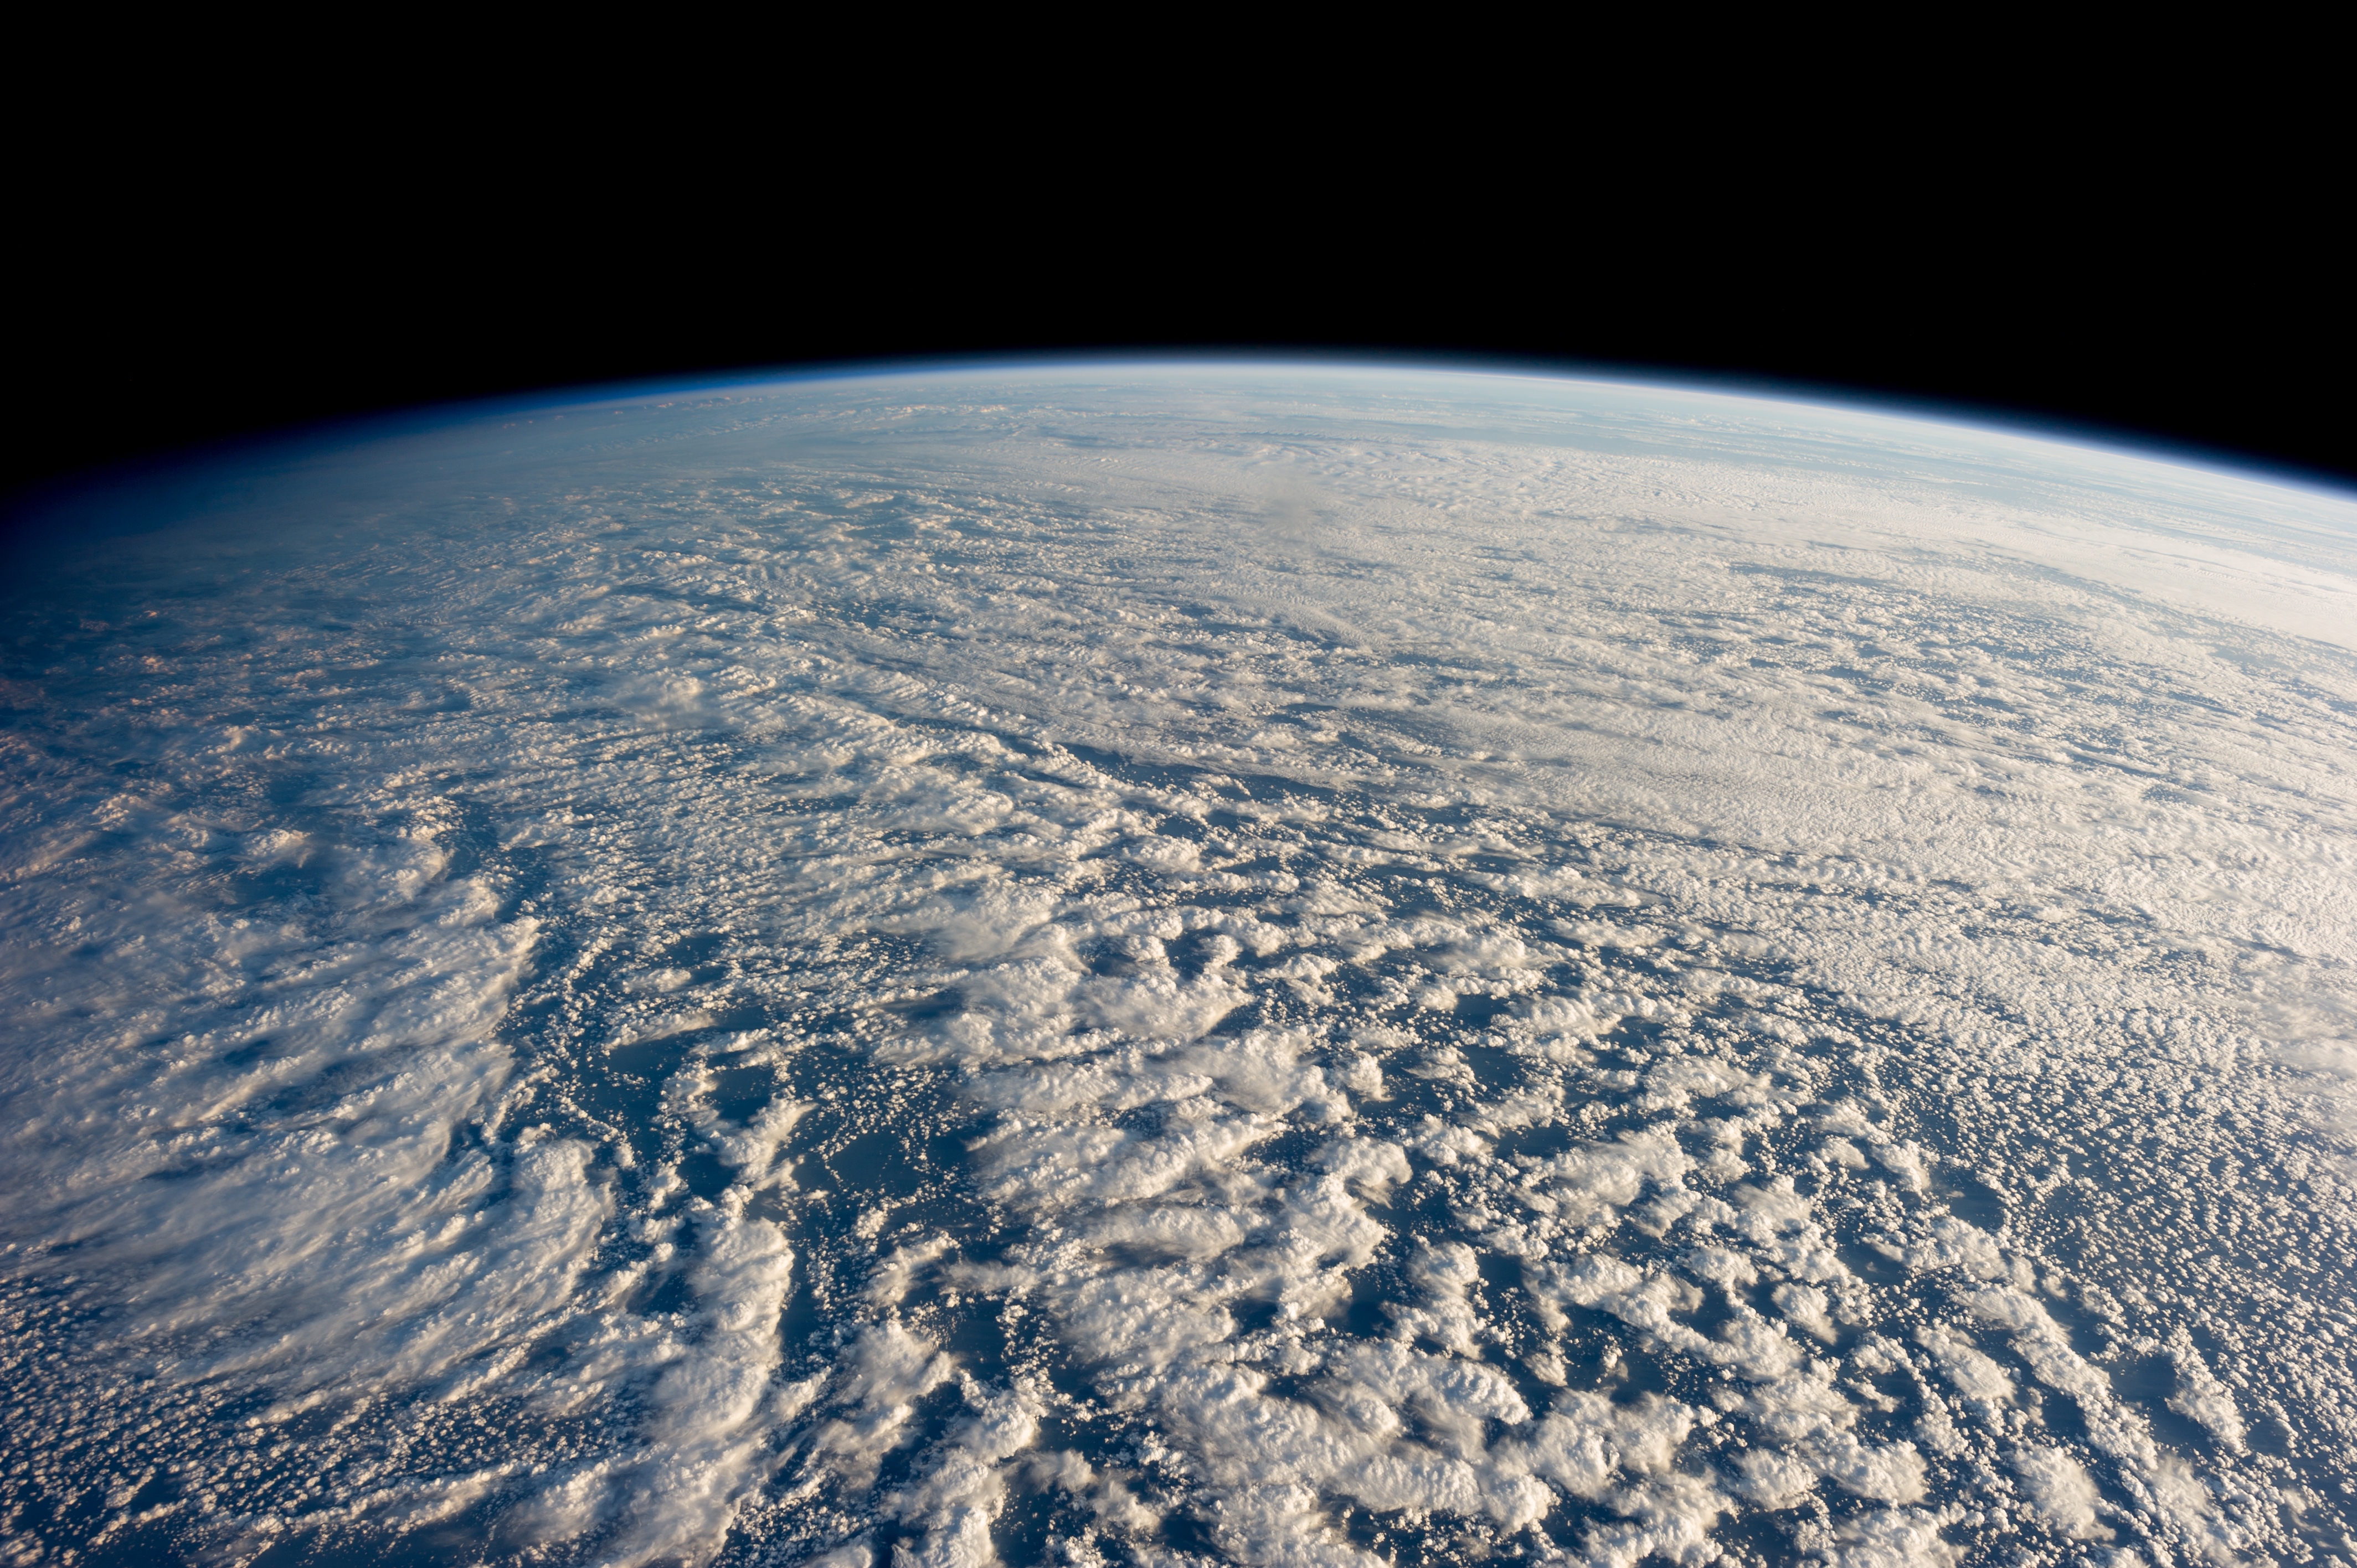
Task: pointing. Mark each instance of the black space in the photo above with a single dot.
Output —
(2169, 296)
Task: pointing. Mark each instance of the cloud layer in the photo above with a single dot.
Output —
(1262, 966)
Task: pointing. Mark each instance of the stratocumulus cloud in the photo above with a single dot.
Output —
(1269, 966)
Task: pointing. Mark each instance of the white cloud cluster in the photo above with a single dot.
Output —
(1275, 966)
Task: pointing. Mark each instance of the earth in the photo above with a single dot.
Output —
(1180, 965)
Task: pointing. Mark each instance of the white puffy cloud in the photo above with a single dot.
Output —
(756, 977)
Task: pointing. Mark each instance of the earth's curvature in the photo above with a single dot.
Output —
(1185, 964)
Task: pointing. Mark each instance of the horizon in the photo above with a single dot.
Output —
(27, 502)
